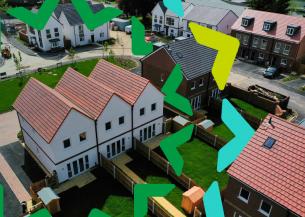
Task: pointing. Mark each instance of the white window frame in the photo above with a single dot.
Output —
(193, 87)
(201, 82)
(264, 45)
(170, 21)
(56, 32)
(277, 47)
(290, 31)
(255, 42)
(285, 50)
(267, 26)
(241, 198)
(245, 39)
(244, 22)
(48, 33)
(261, 56)
(262, 211)
(284, 62)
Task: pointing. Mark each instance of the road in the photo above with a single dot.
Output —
(245, 75)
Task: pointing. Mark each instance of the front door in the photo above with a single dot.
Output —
(92, 38)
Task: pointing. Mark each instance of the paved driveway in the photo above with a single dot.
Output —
(244, 75)
(9, 127)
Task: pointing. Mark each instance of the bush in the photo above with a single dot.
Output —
(20, 136)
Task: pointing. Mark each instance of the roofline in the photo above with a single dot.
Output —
(227, 15)
(231, 176)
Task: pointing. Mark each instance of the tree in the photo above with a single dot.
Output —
(137, 7)
(277, 6)
(71, 54)
(17, 60)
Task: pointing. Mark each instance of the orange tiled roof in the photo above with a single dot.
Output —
(124, 83)
(279, 172)
(279, 32)
(43, 108)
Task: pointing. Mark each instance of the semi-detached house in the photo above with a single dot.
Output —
(68, 128)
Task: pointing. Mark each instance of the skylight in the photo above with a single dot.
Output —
(269, 142)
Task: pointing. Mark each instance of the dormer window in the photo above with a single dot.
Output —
(269, 25)
(292, 30)
(247, 21)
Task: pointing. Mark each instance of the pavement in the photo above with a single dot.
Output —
(244, 75)
(9, 127)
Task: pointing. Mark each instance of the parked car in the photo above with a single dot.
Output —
(128, 29)
(271, 72)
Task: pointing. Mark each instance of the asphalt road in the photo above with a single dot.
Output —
(245, 75)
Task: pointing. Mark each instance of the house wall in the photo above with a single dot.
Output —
(46, 45)
(226, 23)
(54, 156)
(157, 11)
(234, 206)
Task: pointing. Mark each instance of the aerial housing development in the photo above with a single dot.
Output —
(87, 118)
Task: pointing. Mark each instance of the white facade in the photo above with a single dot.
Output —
(158, 19)
(51, 37)
(223, 26)
(80, 35)
(110, 134)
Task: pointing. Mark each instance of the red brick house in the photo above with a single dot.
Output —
(196, 62)
(268, 178)
(271, 39)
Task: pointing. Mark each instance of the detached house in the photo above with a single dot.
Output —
(68, 128)
(196, 62)
(214, 18)
(271, 39)
(66, 28)
(166, 22)
(268, 177)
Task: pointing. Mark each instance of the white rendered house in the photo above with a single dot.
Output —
(215, 18)
(166, 22)
(65, 26)
(69, 127)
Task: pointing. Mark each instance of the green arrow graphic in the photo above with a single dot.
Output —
(97, 213)
(170, 144)
(171, 96)
(143, 191)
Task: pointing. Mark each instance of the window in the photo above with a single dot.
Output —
(155, 19)
(246, 40)
(108, 151)
(238, 36)
(40, 39)
(269, 142)
(255, 42)
(261, 56)
(102, 34)
(267, 26)
(201, 82)
(82, 136)
(69, 170)
(170, 21)
(56, 32)
(245, 22)
(286, 50)
(277, 47)
(81, 33)
(121, 120)
(31, 30)
(118, 146)
(81, 164)
(161, 20)
(67, 143)
(290, 31)
(123, 144)
(244, 195)
(108, 125)
(87, 161)
(142, 111)
(265, 208)
(193, 85)
(48, 33)
(284, 62)
(153, 129)
(162, 77)
(113, 149)
(75, 167)
(264, 44)
(153, 106)
(54, 44)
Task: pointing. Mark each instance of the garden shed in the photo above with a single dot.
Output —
(120, 23)
(179, 122)
(49, 199)
(191, 199)
(207, 125)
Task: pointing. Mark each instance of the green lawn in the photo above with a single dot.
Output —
(200, 161)
(250, 109)
(10, 89)
(223, 132)
(118, 206)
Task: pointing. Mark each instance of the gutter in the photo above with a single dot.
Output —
(132, 140)
(96, 138)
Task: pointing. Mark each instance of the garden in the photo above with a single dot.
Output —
(11, 88)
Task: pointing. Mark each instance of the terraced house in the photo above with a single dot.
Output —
(268, 177)
(271, 39)
(69, 127)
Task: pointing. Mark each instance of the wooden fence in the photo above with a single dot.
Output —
(163, 164)
(129, 183)
(209, 138)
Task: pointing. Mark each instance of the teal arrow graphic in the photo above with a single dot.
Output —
(212, 201)
(240, 128)
(171, 96)
(175, 6)
(143, 191)
(170, 144)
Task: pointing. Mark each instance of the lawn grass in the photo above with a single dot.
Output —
(250, 109)
(10, 89)
(118, 206)
(223, 132)
(200, 163)
(291, 78)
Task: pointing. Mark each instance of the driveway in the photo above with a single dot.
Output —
(244, 75)
(9, 127)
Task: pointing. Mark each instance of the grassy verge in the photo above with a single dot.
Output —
(250, 109)
(290, 78)
(223, 132)
(10, 89)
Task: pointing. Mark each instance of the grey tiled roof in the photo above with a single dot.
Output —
(195, 59)
(71, 13)
(163, 8)
(207, 15)
(185, 5)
